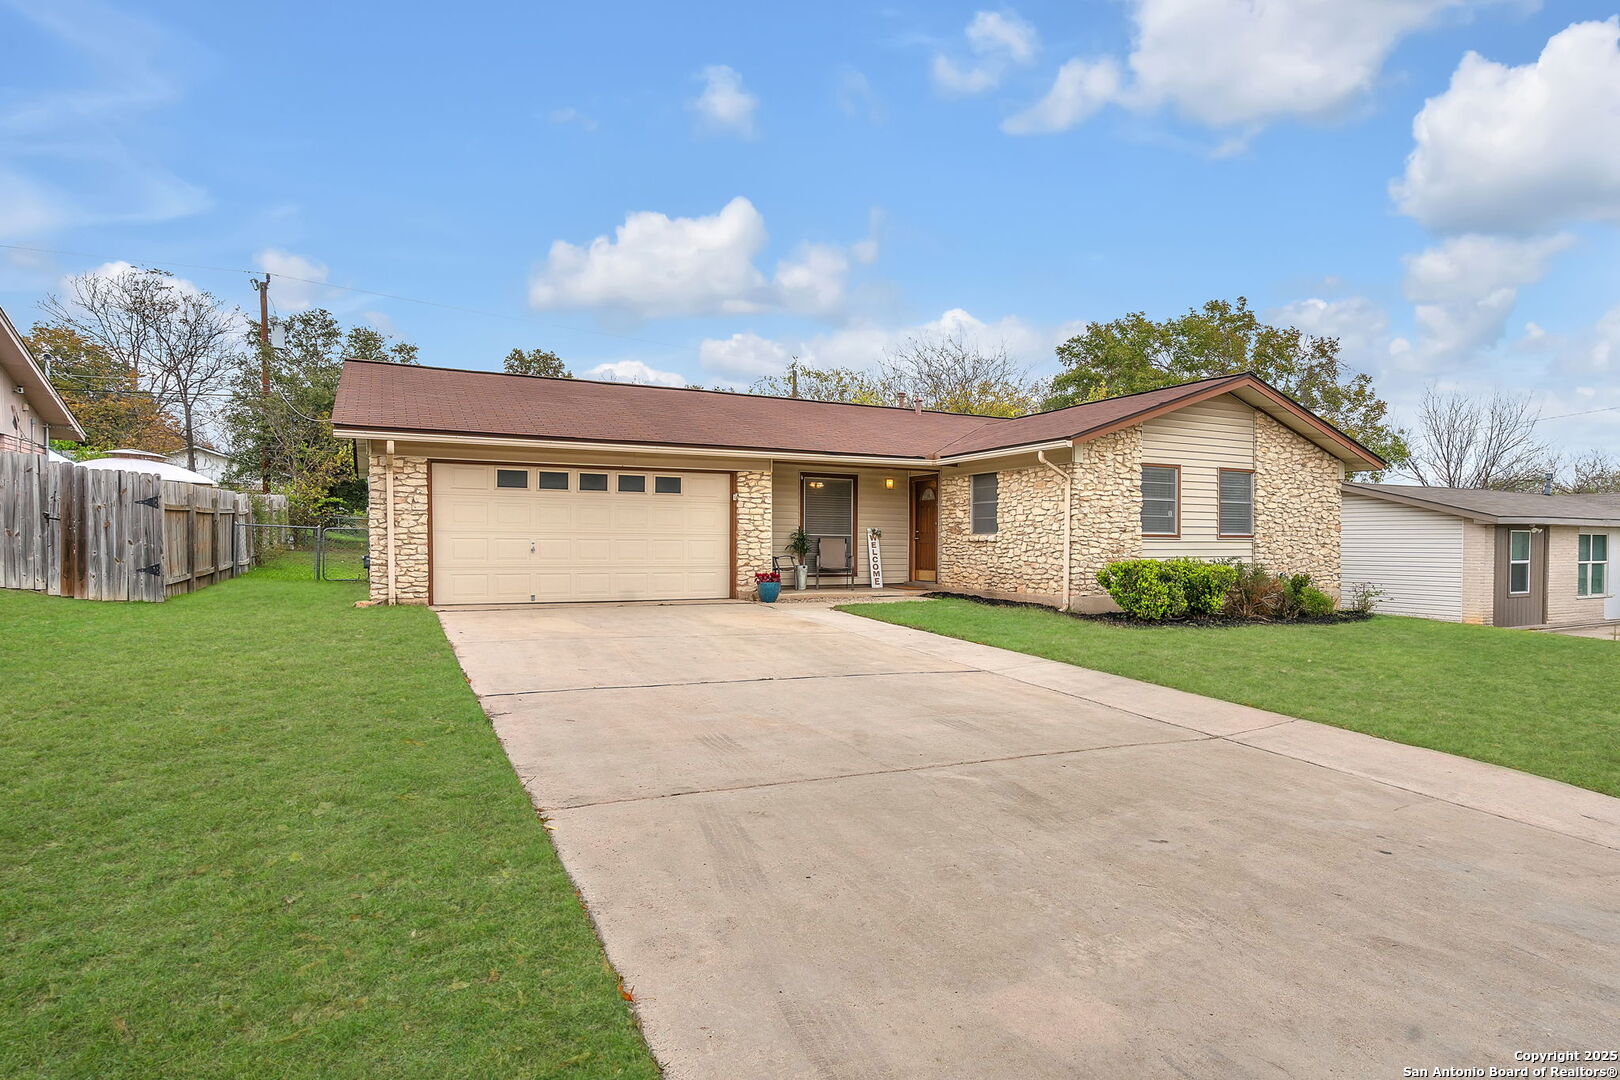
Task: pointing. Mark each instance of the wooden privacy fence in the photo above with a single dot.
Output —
(107, 534)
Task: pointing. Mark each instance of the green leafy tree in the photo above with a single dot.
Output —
(102, 394)
(536, 362)
(1135, 353)
(825, 384)
(287, 435)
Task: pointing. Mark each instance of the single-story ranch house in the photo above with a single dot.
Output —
(493, 488)
(1500, 558)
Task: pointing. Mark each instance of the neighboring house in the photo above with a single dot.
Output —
(491, 488)
(210, 462)
(1500, 558)
(32, 413)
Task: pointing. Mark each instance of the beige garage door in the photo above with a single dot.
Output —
(513, 534)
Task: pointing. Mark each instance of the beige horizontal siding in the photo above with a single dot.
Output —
(876, 506)
(1202, 439)
(1415, 556)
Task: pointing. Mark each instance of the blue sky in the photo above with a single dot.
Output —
(665, 195)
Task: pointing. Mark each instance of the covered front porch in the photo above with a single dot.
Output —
(836, 507)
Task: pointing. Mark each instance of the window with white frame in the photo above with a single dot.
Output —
(1161, 500)
(1592, 565)
(1519, 562)
(1237, 502)
(986, 491)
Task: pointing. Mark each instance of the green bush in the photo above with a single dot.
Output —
(1315, 603)
(1157, 589)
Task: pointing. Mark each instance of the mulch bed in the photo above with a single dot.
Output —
(1118, 618)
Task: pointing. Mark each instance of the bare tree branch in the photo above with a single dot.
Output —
(178, 344)
(1471, 442)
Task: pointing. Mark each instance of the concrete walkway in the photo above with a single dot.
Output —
(820, 846)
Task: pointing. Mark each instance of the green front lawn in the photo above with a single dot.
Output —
(1543, 703)
(256, 832)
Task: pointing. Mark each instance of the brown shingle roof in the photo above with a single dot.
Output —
(408, 398)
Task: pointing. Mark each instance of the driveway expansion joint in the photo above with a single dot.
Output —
(927, 767)
(723, 682)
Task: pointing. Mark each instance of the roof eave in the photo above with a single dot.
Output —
(1479, 517)
(527, 442)
(41, 395)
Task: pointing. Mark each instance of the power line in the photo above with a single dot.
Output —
(366, 292)
(1585, 412)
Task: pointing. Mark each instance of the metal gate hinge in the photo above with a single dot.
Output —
(155, 569)
(153, 501)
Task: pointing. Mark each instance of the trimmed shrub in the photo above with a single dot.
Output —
(1158, 589)
(1315, 603)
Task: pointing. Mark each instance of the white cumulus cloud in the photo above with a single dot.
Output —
(1080, 89)
(1464, 290)
(655, 266)
(633, 371)
(724, 107)
(1516, 149)
(1238, 63)
(295, 282)
(997, 40)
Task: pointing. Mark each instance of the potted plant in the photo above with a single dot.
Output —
(770, 585)
(798, 546)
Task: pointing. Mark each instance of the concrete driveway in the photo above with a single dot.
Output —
(819, 846)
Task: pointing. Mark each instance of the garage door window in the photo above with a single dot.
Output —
(511, 478)
(554, 481)
(593, 481)
(632, 483)
(667, 485)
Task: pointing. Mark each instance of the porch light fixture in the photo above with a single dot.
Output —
(888, 482)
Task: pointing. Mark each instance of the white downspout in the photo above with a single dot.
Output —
(1068, 520)
(388, 469)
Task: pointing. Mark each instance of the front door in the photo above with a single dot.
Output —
(1521, 576)
(925, 528)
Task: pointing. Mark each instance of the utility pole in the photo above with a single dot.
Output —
(793, 376)
(263, 288)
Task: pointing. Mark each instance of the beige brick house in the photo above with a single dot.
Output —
(492, 488)
(1500, 558)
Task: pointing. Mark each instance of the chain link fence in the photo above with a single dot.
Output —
(309, 552)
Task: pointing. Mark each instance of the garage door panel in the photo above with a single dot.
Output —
(629, 513)
(508, 545)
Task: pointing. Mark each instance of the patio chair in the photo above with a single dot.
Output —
(833, 556)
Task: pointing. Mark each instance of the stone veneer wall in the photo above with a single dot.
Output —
(1021, 559)
(1297, 504)
(753, 509)
(410, 528)
(1107, 512)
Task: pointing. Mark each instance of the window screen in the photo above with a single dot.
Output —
(1592, 565)
(667, 485)
(986, 489)
(829, 506)
(1518, 562)
(511, 478)
(593, 481)
(554, 481)
(1161, 494)
(632, 483)
(1237, 503)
